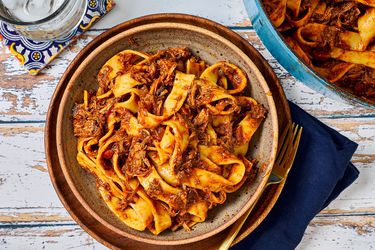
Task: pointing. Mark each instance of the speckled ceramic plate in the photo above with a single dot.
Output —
(151, 37)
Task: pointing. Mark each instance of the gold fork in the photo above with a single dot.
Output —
(289, 141)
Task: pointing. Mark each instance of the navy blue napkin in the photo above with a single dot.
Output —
(321, 171)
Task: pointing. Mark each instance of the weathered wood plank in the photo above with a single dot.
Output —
(226, 12)
(58, 215)
(347, 232)
(23, 168)
(49, 237)
(353, 197)
(33, 215)
(26, 98)
(22, 176)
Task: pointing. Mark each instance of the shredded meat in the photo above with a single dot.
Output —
(339, 14)
(361, 79)
(130, 137)
(137, 163)
(340, 18)
(90, 121)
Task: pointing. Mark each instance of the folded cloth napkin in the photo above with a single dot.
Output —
(321, 171)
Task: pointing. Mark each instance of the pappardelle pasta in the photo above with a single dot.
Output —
(334, 37)
(166, 136)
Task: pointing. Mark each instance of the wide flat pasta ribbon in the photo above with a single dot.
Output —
(116, 64)
(213, 72)
(170, 149)
(314, 35)
(125, 84)
(141, 214)
(131, 103)
(206, 180)
(177, 97)
(215, 98)
(366, 26)
(278, 14)
(294, 6)
(335, 73)
(172, 104)
(195, 68)
(367, 2)
(246, 128)
(366, 58)
(97, 169)
(156, 187)
(303, 20)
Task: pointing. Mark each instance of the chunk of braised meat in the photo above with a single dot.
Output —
(154, 189)
(192, 196)
(166, 71)
(200, 124)
(90, 121)
(202, 119)
(225, 135)
(190, 159)
(203, 95)
(144, 73)
(137, 163)
(123, 142)
(127, 61)
(230, 74)
(174, 54)
(340, 14)
(103, 77)
(258, 111)
(176, 202)
(361, 80)
(147, 101)
(159, 65)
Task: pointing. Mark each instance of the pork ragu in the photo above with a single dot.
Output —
(166, 136)
(334, 37)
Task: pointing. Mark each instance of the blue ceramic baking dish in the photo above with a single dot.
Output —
(274, 42)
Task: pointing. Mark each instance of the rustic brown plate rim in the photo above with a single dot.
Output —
(120, 36)
(269, 196)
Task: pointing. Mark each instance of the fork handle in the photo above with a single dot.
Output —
(236, 228)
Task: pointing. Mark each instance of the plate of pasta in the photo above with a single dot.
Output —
(167, 133)
(328, 45)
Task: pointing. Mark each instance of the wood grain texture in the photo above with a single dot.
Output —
(47, 237)
(347, 232)
(26, 98)
(355, 232)
(227, 12)
(33, 215)
(22, 176)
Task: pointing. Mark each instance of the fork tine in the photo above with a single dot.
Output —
(284, 147)
(298, 137)
(288, 151)
(296, 141)
(289, 147)
(282, 138)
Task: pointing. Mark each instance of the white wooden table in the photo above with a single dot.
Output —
(31, 215)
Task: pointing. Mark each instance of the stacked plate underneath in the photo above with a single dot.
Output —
(87, 210)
